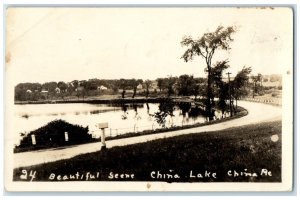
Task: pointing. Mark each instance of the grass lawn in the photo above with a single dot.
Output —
(243, 154)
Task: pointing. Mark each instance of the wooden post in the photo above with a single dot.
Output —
(103, 145)
(102, 126)
(66, 137)
(33, 139)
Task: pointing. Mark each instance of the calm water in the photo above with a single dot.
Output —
(121, 119)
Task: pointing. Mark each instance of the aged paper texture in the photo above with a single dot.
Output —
(149, 99)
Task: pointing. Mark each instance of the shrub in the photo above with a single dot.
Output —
(53, 134)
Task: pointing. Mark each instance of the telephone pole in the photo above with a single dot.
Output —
(230, 107)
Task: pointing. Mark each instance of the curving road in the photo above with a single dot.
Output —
(257, 112)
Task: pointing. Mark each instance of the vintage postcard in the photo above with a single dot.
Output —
(149, 98)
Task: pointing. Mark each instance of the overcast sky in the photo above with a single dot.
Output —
(54, 44)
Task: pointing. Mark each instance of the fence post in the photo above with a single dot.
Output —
(103, 126)
(103, 145)
(33, 139)
(66, 137)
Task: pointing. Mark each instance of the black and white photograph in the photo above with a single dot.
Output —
(149, 98)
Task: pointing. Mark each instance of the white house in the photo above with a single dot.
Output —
(28, 91)
(79, 89)
(44, 91)
(57, 90)
(102, 87)
(140, 87)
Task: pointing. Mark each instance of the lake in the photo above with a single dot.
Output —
(121, 118)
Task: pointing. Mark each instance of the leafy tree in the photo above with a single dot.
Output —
(50, 86)
(148, 85)
(221, 88)
(123, 85)
(196, 88)
(239, 83)
(134, 83)
(166, 108)
(27, 91)
(161, 83)
(186, 85)
(82, 89)
(256, 80)
(206, 47)
(170, 82)
(63, 87)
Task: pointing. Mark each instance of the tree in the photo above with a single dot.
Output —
(50, 86)
(134, 83)
(63, 87)
(221, 88)
(170, 82)
(255, 80)
(123, 85)
(148, 85)
(160, 84)
(196, 88)
(186, 85)
(166, 108)
(260, 77)
(206, 47)
(239, 83)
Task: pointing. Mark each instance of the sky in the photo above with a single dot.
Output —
(65, 44)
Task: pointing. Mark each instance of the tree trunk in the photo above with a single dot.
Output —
(236, 108)
(134, 92)
(147, 93)
(209, 95)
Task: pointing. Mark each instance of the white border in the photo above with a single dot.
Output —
(113, 2)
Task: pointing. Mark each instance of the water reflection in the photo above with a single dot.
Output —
(166, 109)
(184, 107)
(122, 118)
(125, 113)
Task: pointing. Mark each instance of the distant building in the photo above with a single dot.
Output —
(28, 91)
(154, 85)
(102, 87)
(57, 90)
(44, 91)
(79, 89)
(140, 87)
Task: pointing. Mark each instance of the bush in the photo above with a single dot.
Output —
(53, 135)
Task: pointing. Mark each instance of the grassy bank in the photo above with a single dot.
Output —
(215, 156)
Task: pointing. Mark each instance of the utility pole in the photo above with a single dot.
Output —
(230, 107)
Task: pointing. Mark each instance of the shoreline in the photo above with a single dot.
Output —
(241, 113)
(95, 101)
